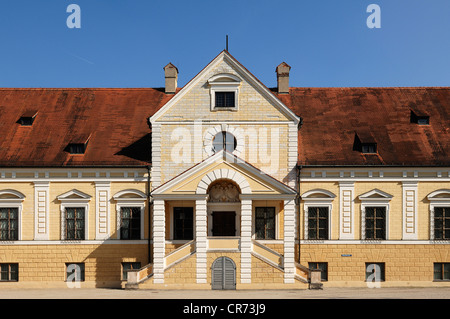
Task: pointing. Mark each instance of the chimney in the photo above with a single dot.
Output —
(283, 78)
(171, 75)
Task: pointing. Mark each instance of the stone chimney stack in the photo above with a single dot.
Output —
(283, 78)
(171, 75)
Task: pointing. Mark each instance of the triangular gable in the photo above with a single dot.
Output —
(223, 165)
(250, 78)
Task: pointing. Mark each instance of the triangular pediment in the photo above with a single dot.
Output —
(74, 194)
(194, 100)
(375, 194)
(223, 166)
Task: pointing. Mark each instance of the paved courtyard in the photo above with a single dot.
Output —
(327, 293)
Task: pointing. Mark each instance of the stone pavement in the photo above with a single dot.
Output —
(327, 293)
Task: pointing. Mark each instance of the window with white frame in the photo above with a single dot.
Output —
(10, 214)
(224, 91)
(374, 215)
(130, 207)
(439, 214)
(74, 215)
(318, 204)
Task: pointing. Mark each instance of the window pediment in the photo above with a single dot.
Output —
(74, 195)
(375, 195)
(439, 195)
(224, 91)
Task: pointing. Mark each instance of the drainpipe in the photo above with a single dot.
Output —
(149, 203)
(299, 168)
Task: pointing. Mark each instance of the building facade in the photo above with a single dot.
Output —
(225, 184)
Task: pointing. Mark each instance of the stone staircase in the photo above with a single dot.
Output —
(260, 251)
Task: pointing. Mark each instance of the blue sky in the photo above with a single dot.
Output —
(127, 43)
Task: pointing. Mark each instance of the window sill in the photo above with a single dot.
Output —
(218, 108)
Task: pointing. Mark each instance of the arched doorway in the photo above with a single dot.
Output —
(223, 274)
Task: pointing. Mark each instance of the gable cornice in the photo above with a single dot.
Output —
(226, 56)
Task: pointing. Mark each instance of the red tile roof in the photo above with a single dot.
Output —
(115, 122)
(332, 117)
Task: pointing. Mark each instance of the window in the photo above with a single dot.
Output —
(224, 141)
(318, 223)
(130, 224)
(375, 272)
(419, 117)
(183, 218)
(323, 267)
(265, 222)
(225, 99)
(9, 223)
(423, 120)
(75, 272)
(441, 222)
(369, 148)
(224, 92)
(9, 272)
(76, 148)
(27, 118)
(375, 223)
(129, 266)
(75, 218)
(441, 271)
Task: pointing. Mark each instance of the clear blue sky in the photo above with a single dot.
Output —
(127, 43)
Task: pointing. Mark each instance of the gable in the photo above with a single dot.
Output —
(254, 101)
(197, 179)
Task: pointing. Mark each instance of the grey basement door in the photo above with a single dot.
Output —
(223, 274)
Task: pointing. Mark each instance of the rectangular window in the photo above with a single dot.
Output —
(75, 223)
(442, 223)
(74, 272)
(183, 221)
(129, 266)
(9, 222)
(265, 222)
(225, 99)
(9, 272)
(130, 223)
(375, 223)
(318, 223)
(375, 272)
(441, 271)
(369, 148)
(323, 267)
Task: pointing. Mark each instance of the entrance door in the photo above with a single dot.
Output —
(224, 224)
(223, 274)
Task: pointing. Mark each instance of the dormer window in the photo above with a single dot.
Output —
(77, 148)
(420, 118)
(364, 142)
(78, 145)
(27, 118)
(368, 148)
(224, 90)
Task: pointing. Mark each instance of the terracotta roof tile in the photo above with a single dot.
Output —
(115, 120)
(331, 116)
